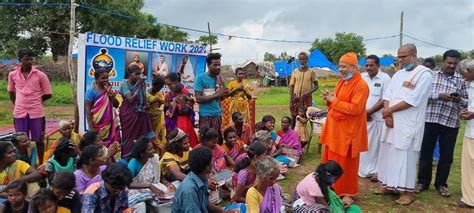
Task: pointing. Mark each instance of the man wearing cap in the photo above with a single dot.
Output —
(404, 113)
(345, 131)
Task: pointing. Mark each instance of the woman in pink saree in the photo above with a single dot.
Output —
(289, 140)
(100, 102)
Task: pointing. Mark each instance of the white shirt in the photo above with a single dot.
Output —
(377, 87)
(409, 124)
(470, 107)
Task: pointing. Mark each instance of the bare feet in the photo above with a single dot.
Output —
(347, 200)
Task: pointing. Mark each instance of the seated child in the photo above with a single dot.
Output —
(16, 202)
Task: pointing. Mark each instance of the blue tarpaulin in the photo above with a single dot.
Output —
(284, 69)
(384, 61)
(7, 61)
(318, 59)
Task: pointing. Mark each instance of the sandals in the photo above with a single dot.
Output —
(384, 191)
(374, 178)
(461, 204)
(405, 200)
(443, 191)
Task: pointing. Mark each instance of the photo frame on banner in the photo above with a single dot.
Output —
(155, 58)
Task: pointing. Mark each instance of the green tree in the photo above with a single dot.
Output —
(343, 43)
(204, 40)
(464, 54)
(269, 57)
(272, 57)
(284, 57)
(41, 28)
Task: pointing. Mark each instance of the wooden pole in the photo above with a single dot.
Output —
(401, 29)
(210, 40)
(71, 68)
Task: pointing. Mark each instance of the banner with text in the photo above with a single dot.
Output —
(116, 54)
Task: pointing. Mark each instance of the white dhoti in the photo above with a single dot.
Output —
(467, 171)
(397, 167)
(368, 160)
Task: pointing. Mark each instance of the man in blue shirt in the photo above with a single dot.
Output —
(192, 195)
(209, 89)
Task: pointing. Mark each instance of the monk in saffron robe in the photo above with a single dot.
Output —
(345, 131)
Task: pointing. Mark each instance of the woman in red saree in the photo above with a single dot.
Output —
(184, 117)
(100, 102)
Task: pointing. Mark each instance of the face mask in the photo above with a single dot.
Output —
(331, 180)
(348, 76)
(409, 66)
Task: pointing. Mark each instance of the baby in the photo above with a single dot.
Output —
(182, 104)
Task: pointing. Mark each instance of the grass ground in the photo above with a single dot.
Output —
(274, 101)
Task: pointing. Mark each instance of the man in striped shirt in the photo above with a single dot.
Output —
(448, 96)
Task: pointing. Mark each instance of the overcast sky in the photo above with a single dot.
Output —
(446, 23)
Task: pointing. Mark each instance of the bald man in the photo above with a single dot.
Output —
(404, 114)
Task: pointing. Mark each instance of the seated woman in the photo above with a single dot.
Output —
(220, 159)
(245, 174)
(90, 138)
(12, 169)
(289, 140)
(66, 131)
(232, 146)
(266, 195)
(25, 149)
(276, 148)
(90, 165)
(243, 130)
(174, 163)
(314, 193)
(63, 159)
(145, 167)
(269, 124)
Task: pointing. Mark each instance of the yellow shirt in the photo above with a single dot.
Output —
(168, 160)
(302, 81)
(19, 167)
(154, 108)
(253, 200)
(75, 138)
